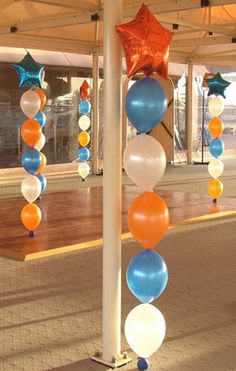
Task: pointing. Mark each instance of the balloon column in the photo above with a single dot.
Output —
(32, 102)
(144, 162)
(217, 86)
(84, 125)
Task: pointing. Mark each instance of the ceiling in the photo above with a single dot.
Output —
(206, 31)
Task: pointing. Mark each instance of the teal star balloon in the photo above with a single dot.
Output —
(217, 85)
(29, 72)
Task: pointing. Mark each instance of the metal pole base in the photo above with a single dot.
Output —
(117, 361)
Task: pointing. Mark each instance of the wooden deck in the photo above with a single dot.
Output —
(73, 220)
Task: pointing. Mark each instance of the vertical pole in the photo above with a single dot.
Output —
(190, 113)
(112, 181)
(203, 123)
(95, 102)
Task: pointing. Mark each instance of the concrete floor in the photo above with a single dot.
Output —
(51, 309)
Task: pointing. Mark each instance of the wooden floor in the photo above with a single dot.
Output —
(73, 220)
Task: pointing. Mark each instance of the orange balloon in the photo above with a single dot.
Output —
(215, 188)
(31, 216)
(148, 219)
(42, 97)
(83, 138)
(31, 132)
(43, 163)
(216, 127)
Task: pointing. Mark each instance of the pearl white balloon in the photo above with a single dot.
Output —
(31, 188)
(84, 122)
(83, 169)
(215, 168)
(144, 161)
(145, 329)
(41, 143)
(216, 106)
(30, 103)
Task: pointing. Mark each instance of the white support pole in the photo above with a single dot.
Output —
(112, 181)
(95, 103)
(190, 113)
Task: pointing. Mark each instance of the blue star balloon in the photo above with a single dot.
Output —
(217, 85)
(29, 72)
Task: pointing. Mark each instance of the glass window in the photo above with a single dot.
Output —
(61, 86)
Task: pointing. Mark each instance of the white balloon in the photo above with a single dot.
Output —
(145, 329)
(30, 103)
(31, 188)
(41, 143)
(216, 106)
(144, 161)
(83, 169)
(84, 122)
(215, 168)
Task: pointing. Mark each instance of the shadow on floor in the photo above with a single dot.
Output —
(86, 365)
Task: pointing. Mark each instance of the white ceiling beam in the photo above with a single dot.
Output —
(210, 40)
(54, 21)
(158, 7)
(46, 43)
(217, 59)
(71, 4)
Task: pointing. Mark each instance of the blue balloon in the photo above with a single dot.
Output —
(43, 182)
(29, 72)
(216, 147)
(146, 104)
(41, 118)
(143, 364)
(147, 275)
(83, 154)
(31, 160)
(84, 107)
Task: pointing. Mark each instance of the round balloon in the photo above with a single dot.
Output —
(41, 118)
(31, 217)
(215, 168)
(216, 127)
(84, 107)
(31, 132)
(31, 188)
(43, 163)
(83, 169)
(148, 219)
(42, 97)
(147, 275)
(144, 161)
(40, 144)
(145, 329)
(216, 106)
(146, 104)
(31, 160)
(30, 103)
(83, 154)
(84, 122)
(215, 188)
(143, 364)
(216, 147)
(43, 182)
(83, 138)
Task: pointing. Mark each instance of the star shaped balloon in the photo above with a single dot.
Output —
(30, 72)
(146, 44)
(217, 85)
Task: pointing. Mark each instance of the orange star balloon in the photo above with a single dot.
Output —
(85, 90)
(146, 44)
